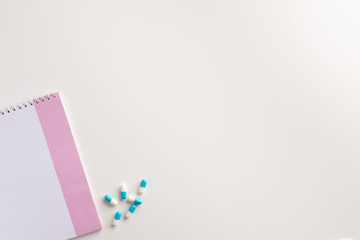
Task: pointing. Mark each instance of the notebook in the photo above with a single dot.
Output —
(44, 193)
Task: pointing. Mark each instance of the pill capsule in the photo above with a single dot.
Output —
(110, 200)
(116, 218)
(123, 190)
(130, 211)
(135, 200)
(143, 185)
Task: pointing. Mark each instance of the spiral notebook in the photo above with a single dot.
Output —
(44, 193)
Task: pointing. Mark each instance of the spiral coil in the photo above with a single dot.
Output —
(25, 104)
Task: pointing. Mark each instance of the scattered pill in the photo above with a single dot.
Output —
(116, 218)
(143, 185)
(123, 190)
(135, 200)
(130, 211)
(110, 200)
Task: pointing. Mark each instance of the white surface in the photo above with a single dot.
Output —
(29, 187)
(244, 115)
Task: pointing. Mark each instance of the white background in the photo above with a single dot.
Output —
(244, 115)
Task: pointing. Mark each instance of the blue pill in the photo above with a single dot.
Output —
(135, 200)
(110, 200)
(116, 218)
(130, 211)
(123, 190)
(143, 185)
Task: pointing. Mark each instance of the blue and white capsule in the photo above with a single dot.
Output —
(116, 218)
(143, 185)
(131, 211)
(135, 200)
(123, 191)
(110, 200)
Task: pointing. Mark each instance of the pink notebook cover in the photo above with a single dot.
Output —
(61, 171)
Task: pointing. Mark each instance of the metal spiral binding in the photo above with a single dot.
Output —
(25, 104)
